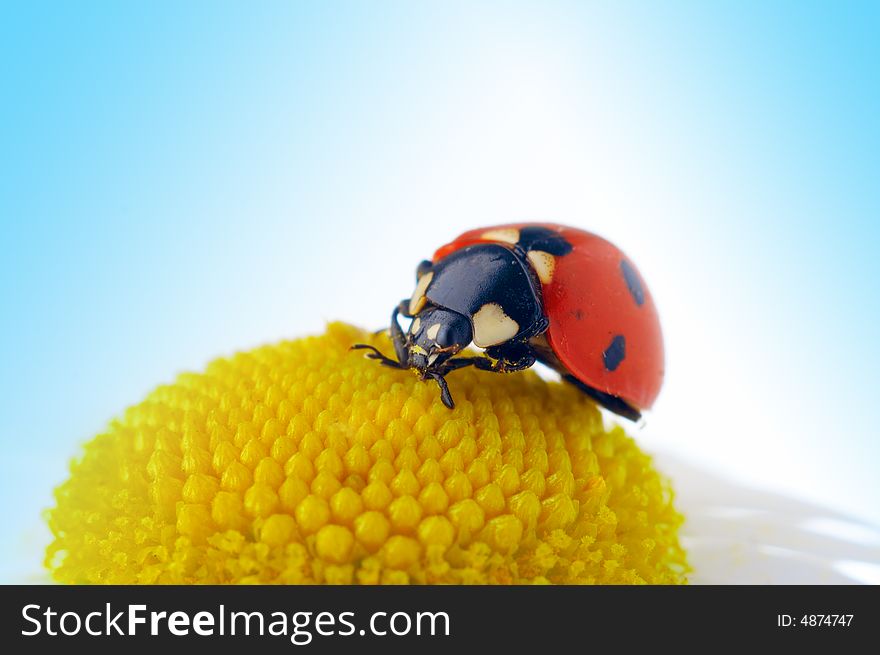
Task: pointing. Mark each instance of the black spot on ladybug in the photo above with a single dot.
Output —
(540, 238)
(578, 314)
(615, 353)
(632, 282)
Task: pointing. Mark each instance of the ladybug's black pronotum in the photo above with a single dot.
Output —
(534, 292)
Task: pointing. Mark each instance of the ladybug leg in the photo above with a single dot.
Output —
(506, 359)
(486, 364)
(501, 359)
(510, 357)
(445, 395)
(457, 363)
(398, 337)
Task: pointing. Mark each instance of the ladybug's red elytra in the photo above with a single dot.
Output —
(532, 292)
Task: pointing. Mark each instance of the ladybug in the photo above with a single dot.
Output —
(534, 292)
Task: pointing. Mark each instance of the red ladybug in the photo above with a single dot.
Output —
(534, 292)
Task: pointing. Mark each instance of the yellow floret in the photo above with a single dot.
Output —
(304, 462)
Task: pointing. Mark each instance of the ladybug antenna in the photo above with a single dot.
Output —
(377, 355)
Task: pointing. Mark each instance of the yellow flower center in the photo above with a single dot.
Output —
(305, 462)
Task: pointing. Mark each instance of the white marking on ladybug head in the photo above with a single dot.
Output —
(544, 264)
(418, 298)
(416, 324)
(432, 331)
(505, 235)
(492, 326)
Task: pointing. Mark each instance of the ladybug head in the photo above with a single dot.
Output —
(436, 335)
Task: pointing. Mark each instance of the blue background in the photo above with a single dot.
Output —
(182, 180)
